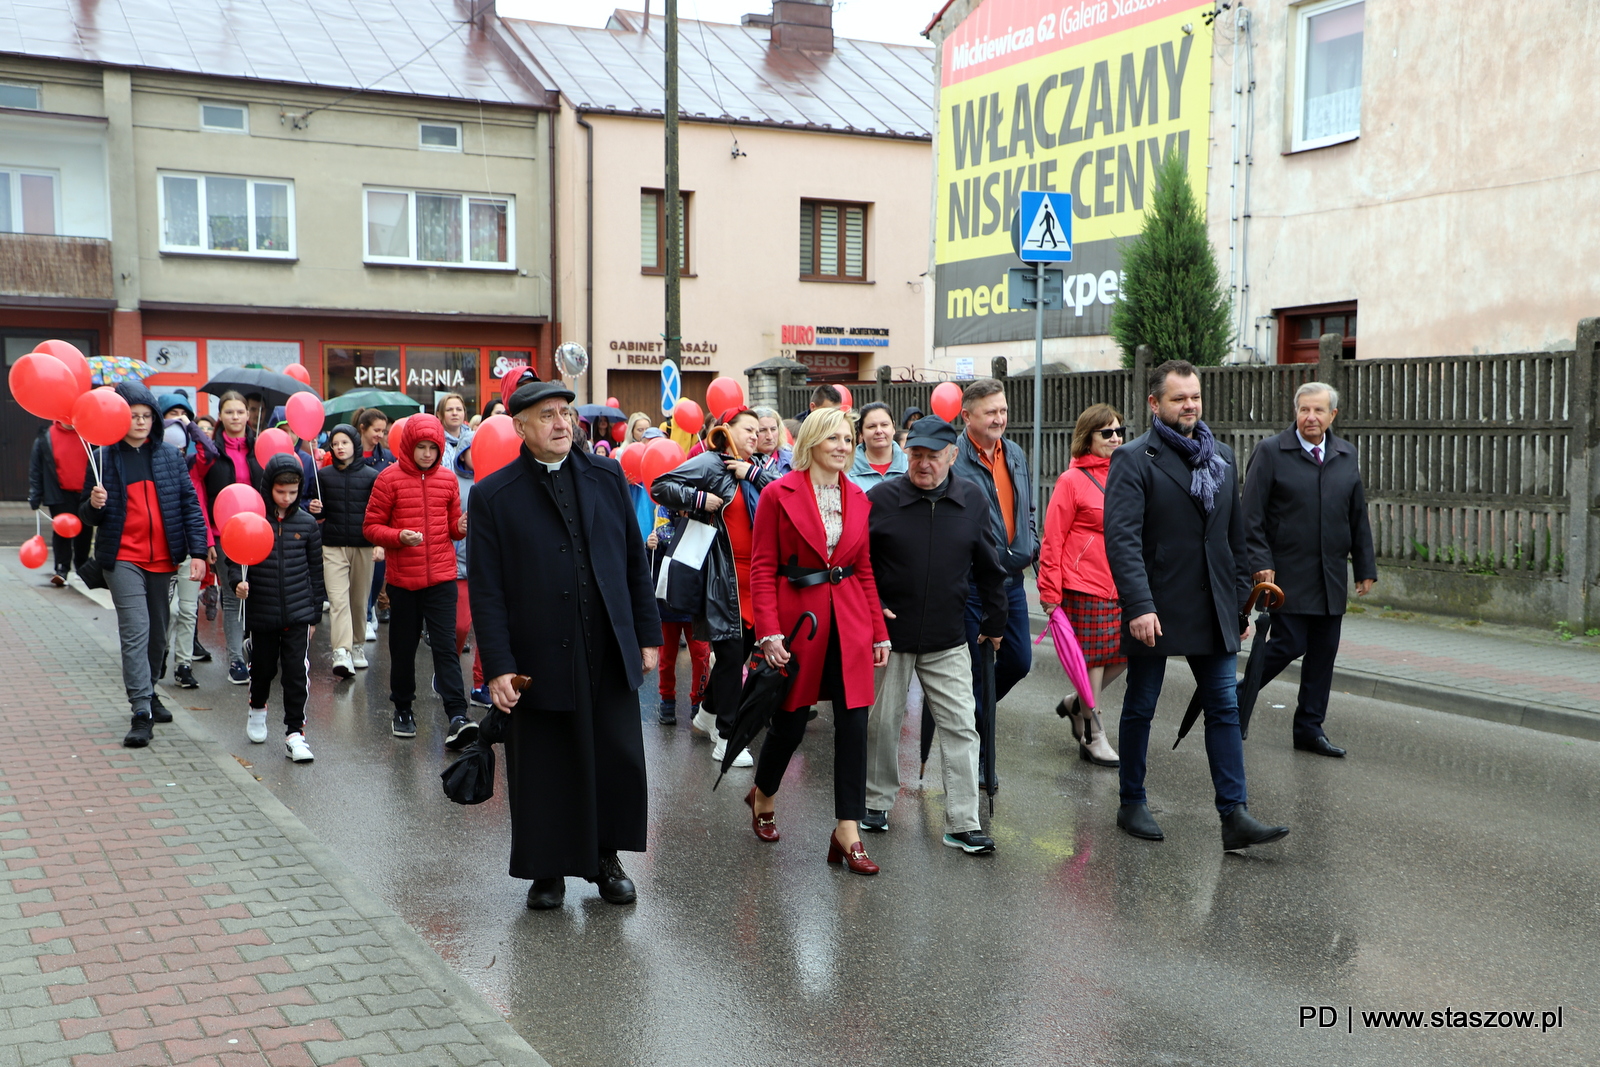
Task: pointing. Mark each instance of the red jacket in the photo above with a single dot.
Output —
(788, 524)
(1073, 555)
(406, 498)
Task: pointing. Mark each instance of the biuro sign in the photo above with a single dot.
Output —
(1080, 97)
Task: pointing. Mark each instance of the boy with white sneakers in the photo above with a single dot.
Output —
(283, 601)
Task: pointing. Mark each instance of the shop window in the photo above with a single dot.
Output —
(833, 241)
(347, 367)
(1327, 73)
(213, 214)
(431, 373)
(1300, 331)
(28, 201)
(224, 118)
(653, 232)
(439, 229)
(439, 136)
(423, 373)
(19, 94)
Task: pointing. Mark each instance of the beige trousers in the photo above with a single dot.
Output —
(347, 572)
(946, 679)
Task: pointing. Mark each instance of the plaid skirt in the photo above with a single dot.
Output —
(1098, 624)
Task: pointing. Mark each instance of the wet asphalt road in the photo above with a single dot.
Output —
(1449, 862)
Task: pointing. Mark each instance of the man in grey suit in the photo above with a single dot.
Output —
(1305, 516)
(1175, 541)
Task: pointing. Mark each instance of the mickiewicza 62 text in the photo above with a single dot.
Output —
(1326, 1016)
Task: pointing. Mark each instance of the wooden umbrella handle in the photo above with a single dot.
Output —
(1267, 591)
(519, 682)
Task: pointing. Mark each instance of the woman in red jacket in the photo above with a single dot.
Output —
(413, 514)
(1074, 574)
(809, 553)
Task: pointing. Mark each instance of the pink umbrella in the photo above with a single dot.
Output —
(1071, 655)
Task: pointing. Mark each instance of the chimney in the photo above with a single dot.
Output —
(803, 25)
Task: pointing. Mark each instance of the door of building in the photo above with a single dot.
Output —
(640, 390)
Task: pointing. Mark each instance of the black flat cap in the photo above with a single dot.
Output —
(538, 392)
(931, 431)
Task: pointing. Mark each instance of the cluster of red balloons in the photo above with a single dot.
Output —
(54, 382)
(34, 551)
(646, 461)
(241, 515)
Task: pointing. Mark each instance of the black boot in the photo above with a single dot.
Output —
(1240, 830)
(1136, 820)
(547, 893)
(613, 881)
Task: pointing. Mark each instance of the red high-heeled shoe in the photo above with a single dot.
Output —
(855, 857)
(764, 823)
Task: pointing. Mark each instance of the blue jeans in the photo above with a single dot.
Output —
(1217, 679)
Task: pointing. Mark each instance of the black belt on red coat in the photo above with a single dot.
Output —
(802, 577)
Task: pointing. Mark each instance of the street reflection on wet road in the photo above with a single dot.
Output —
(1447, 862)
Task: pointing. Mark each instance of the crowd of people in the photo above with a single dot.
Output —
(872, 559)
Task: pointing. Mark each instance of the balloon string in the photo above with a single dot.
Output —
(93, 466)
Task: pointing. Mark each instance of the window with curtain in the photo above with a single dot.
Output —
(1328, 90)
(212, 214)
(833, 241)
(653, 232)
(440, 229)
(27, 201)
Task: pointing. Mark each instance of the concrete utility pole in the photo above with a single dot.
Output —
(674, 332)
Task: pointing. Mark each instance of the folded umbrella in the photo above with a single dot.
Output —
(470, 777)
(394, 405)
(1272, 599)
(765, 689)
(1070, 653)
(275, 388)
(986, 706)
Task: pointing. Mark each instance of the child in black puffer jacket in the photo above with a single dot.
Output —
(283, 601)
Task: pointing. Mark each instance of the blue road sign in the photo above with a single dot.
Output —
(671, 387)
(1044, 230)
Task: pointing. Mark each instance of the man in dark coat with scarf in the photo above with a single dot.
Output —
(1175, 541)
(561, 592)
(1305, 515)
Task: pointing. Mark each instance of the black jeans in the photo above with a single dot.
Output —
(289, 648)
(727, 677)
(1317, 638)
(408, 609)
(849, 743)
(70, 549)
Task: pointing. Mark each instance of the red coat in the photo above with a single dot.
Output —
(788, 524)
(406, 498)
(1073, 554)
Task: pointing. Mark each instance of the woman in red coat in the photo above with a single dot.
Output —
(1073, 571)
(809, 553)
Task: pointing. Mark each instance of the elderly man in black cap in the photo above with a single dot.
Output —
(931, 535)
(561, 592)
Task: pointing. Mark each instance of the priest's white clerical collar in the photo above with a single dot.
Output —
(551, 468)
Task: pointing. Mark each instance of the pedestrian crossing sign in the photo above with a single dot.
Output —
(1044, 233)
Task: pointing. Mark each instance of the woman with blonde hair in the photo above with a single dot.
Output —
(1074, 573)
(638, 423)
(809, 554)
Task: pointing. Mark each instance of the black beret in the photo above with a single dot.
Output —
(537, 393)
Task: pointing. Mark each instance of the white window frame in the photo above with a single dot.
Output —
(38, 92)
(241, 108)
(1303, 15)
(456, 126)
(466, 230)
(250, 217)
(16, 193)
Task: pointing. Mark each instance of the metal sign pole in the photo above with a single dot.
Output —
(1038, 373)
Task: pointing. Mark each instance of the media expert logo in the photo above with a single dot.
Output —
(1080, 292)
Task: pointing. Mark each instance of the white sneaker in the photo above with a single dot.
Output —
(704, 724)
(294, 746)
(372, 629)
(343, 666)
(720, 750)
(255, 727)
(359, 656)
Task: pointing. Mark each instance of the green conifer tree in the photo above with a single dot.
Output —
(1172, 297)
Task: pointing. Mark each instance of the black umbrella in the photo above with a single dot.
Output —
(1272, 599)
(470, 779)
(986, 705)
(765, 688)
(275, 388)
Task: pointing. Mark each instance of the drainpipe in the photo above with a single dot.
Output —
(588, 256)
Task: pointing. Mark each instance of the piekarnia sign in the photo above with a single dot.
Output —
(1079, 97)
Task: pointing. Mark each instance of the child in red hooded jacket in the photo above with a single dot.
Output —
(414, 514)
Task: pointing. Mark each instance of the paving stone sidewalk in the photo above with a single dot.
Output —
(159, 906)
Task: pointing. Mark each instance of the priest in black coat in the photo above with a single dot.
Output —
(561, 592)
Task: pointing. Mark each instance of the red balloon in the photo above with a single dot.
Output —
(688, 416)
(393, 434)
(44, 386)
(101, 416)
(33, 552)
(724, 393)
(298, 372)
(618, 431)
(494, 444)
(247, 538)
(235, 499)
(660, 456)
(632, 460)
(305, 415)
(67, 524)
(611, 402)
(271, 442)
(946, 401)
(69, 354)
(846, 401)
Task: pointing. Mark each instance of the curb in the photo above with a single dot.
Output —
(476, 1014)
